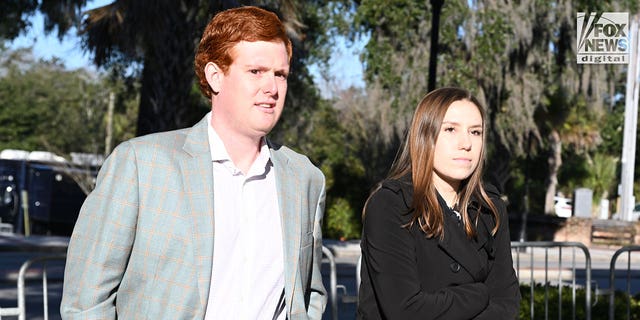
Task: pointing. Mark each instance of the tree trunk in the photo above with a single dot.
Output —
(555, 161)
(166, 100)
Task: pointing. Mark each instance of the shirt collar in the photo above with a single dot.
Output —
(219, 152)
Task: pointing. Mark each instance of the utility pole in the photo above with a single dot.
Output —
(436, 8)
(630, 122)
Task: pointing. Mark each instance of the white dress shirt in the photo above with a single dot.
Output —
(247, 277)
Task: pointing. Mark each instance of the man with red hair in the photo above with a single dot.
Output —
(213, 221)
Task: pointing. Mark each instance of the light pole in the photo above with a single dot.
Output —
(436, 7)
(630, 122)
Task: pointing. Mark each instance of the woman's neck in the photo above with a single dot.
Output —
(451, 198)
(447, 191)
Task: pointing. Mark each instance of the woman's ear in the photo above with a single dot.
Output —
(214, 76)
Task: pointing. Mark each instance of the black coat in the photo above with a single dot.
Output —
(408, 276)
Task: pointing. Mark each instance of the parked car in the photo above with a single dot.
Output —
(563, 207)
(43, 186)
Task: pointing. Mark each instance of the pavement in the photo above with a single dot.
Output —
(344, 252)
(51, 244)
(20, 246)
(530, 262)
(16, 249)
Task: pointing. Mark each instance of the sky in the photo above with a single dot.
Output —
(345, 64)
(48, 46)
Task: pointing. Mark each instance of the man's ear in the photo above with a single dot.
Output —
(214, 76)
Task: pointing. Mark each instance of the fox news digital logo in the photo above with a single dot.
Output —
(603, 38)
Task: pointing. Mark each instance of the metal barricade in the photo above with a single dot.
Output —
(612, 285)
(358, 275)
(539, 250)
(338, 293)
(333, 282)
(20, 311)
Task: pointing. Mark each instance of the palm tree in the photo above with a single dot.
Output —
(161, 37)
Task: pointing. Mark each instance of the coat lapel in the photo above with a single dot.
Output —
(197, 177)
(290, 208)
(485, 239)
(456, 244)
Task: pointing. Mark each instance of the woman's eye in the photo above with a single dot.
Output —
(449, 129)
(254, 71)
(476, 132)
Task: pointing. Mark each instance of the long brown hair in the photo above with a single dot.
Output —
(416, 156)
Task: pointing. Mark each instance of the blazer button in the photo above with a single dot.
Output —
(455, 267)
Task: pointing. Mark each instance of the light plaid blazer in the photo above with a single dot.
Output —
(142, 247)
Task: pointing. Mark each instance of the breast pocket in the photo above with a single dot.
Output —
(306, 240)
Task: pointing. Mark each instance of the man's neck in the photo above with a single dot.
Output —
(242, 154)
(242, 149)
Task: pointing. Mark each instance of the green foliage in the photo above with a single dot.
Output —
(518, 60)
(44, 106)
(611, 130)
(602, 176)
(525, 181)
(59, 14)
(516, 57)
(573, 173)
(551, 294)
(395, 27)
(340, 221)
(325, 140)
(598, 173)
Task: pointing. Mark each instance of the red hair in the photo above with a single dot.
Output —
(229, 27)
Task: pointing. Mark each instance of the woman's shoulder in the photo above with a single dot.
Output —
(496, 197)
(395, 195)
(402, 184)
(401, 188)
(389, 204)
(492, 191)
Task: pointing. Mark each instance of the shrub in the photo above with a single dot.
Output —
(340, 221)
(599, 308)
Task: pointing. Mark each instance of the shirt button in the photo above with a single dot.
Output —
(455, 267)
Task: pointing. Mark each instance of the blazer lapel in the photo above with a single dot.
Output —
(197, 177)
(290, 208)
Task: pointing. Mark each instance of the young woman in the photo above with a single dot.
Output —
(435, 242)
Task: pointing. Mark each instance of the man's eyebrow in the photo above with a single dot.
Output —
(255, 66)
(263, 67)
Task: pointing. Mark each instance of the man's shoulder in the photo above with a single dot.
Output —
(174, 139)
(163, 137)
(291, 154)
(154, 144)
(296, 159)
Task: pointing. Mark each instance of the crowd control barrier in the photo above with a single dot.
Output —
(630, 276)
